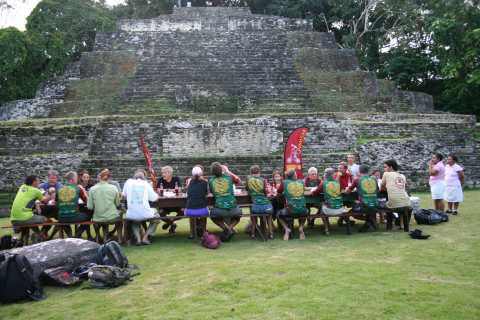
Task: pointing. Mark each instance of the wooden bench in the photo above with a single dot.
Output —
(61, 228)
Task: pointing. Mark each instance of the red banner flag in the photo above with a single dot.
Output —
(292, 155)
(148, 159)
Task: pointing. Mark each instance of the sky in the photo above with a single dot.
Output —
(17, 16)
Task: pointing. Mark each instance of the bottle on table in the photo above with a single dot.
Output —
(176, 189)
(160, 190)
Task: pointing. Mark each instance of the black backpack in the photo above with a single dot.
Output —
(16, 279)
(111, 254)
(6, 242)
(429, 216)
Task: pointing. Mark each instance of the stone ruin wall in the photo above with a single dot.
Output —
(95, 143)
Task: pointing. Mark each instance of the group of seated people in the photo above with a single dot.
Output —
(283, 198)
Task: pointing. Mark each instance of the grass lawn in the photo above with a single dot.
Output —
(381, 275)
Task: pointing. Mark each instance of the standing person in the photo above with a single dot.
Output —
(104, 200)
(454, 178)
(225, 213)
(23, 207)
(68, 204)
(352, 166)
(295, 204)
(395, 183)
(169, 182)
(436, 169)
(258, 190)
(197, 205)
(139, 193)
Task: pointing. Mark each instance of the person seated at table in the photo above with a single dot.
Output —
(139, 193)
(277, 200)
(225, 212)
(204, 177)
(344, 177)
(84, 180)
(197, 205)
(51, 186)
(395, 183)
(24, 210)
(258, 189)
(295, 204)
(104, 200)
(52, 181)
(169, 182)
(367, 190)
(311, 181)
(68, 204)
(333, 204)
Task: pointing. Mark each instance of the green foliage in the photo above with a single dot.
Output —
(143, 9)
(58, 31)
(13, 57)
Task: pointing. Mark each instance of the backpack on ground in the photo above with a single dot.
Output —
(111, 254)
(6, 242)
(16, 279)
(429, 216)
(108, 276)
(210, 241)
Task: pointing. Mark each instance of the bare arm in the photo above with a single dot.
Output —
(461, 176)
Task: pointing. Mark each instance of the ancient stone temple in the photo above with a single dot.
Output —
(204, 84)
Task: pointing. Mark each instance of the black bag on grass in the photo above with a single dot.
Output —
(108, 276)
(429, 216)
(111, 254)
(16, 279)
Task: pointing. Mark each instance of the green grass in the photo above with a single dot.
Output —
(381, 275)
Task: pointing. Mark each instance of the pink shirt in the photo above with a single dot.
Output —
(439, 167)
(451, 175)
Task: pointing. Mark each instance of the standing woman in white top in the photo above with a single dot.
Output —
(436, 169)
(454, 178)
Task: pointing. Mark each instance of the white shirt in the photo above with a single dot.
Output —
(354, 170)
(138, 193)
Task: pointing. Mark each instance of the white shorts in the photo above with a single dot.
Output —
(454, 193)
(438, 190)
(332, 212)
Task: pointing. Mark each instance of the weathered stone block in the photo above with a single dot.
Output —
(60, 252)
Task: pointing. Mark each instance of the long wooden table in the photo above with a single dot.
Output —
(180, 200)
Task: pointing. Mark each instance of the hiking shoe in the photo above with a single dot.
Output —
(455, 212)
(449, 211)
(225, 236)
(417, 234)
